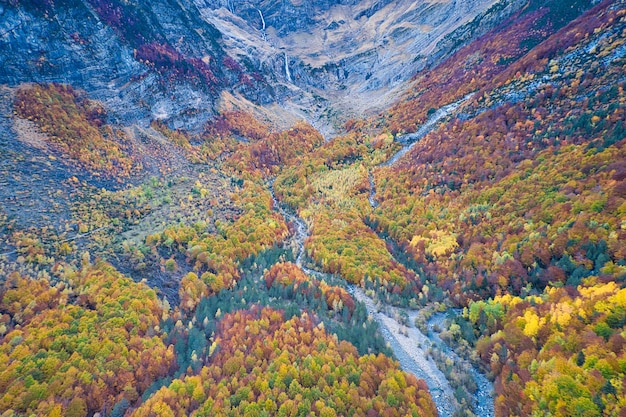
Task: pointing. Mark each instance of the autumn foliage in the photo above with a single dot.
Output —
(266, 156)
(216, 257)
(330, 191)
(513, 208)
(76, 126)
(522, 200)
(560, 353)
(528, 192)
(135, 25)
(288, 274)
(164, 58)
(238, 123)
(262, 364)
(79, 346)
(492, 60)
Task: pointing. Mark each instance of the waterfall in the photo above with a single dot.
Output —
(287, 73)
(262, 19)
(263, 34)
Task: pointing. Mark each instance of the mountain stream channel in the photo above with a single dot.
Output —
(411, 348)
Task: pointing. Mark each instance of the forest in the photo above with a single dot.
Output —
(219, 272)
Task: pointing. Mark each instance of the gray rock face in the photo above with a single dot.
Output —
(307, 56)
(72, 44)
(350, 53)
(284, 16)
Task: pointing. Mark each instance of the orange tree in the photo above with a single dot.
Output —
(76, 126)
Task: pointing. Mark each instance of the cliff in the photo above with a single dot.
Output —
(174, 60)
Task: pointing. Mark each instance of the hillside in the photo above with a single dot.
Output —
(174, 240)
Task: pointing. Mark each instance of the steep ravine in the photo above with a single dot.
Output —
(410, 139)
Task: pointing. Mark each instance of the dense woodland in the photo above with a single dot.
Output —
(267, 365)
(171, 285)
(84, 344)
(528, 209)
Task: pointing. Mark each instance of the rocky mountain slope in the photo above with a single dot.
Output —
(350, 52)
(173, 59)
(156, 60)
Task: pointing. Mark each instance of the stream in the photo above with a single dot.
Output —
(483, 397)
(410, 348)
(296, 240)
(410, 139)
(411, 354)
(372, 196)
